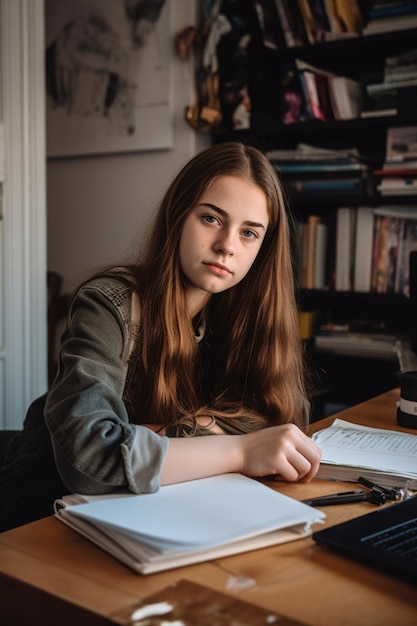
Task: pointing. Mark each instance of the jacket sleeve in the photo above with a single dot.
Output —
(96, 449)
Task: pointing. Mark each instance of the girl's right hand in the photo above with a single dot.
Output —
(283, 451)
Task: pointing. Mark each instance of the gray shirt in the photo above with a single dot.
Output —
(96, 448)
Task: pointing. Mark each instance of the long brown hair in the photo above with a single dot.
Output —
(257, 375)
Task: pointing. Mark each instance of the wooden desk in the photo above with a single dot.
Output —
(51, 575)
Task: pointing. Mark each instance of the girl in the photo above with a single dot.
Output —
(198, 337)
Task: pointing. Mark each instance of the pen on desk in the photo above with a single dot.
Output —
(344, 497)
(392, 493)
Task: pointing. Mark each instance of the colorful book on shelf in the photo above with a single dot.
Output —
(408, 244)
(388, 233)
(404, 219)
(314, 82)
(387, 457)
(188, 522)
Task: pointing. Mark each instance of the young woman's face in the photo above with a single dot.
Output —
(222, 236)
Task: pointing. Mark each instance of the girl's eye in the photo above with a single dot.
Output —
(249, 234)
(210, 219)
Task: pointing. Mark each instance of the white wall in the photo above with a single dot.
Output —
(97, 207)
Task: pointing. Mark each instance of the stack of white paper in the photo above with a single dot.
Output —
(190, 522)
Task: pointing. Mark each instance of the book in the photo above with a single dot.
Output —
(345, 224)
(326, 185)
(306, 152)
(307, 167)
(390, 24)
(360, 344)
(404, 218)
(314, 83)
(296, 22)
(320, 249)
(388, 234)
(308, 270)
(309, 26)
(401, 144)
(391, 186)
(387, 457)
(286, 25)
(321, 22)
(400, 67)
(363, 249)
(346, 97)
(408, 245)
(188, 522)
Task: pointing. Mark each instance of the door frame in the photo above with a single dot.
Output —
(23, 336)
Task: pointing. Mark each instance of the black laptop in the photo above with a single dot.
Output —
(385, 538)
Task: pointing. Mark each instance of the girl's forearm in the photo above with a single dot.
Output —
(199, 457)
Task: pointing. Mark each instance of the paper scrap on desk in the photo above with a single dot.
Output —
(199, 605)
(344, 443)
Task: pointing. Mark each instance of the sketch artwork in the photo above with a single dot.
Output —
(107, 76)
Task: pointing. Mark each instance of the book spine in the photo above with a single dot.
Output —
(312, 223)
(363, 249)
(308, 20)
(296, 21)
(320, 248)
(285, 24)
(344, 249)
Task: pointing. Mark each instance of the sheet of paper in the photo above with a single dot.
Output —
(386, 450)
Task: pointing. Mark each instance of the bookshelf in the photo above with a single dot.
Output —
(342, 379)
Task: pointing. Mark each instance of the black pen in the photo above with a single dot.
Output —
(344, 497)
(393, 493)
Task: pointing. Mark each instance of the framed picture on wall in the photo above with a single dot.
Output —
(108, 76)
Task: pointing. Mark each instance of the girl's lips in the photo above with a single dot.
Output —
(220, 270)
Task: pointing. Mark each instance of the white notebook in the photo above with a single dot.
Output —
(188, 522)
(385, 456)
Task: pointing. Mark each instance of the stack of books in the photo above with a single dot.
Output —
(373, 248)
(312, 170)
(361, 249)
(398, 175)
(400, 73)
(389, 15)
(305, 22)
(326, 95)
(359, 344)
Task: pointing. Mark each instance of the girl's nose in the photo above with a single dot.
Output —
(225, 244)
